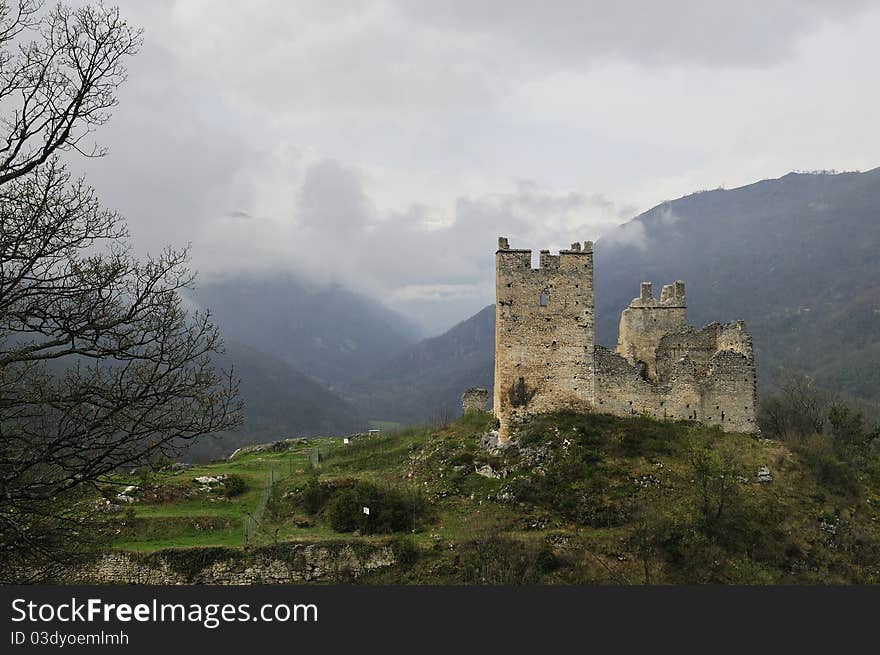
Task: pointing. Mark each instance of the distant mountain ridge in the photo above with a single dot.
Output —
(280, 402)
(291, 343)
(429, 377)
(324, 330)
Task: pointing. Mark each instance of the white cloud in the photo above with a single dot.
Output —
(387, 144)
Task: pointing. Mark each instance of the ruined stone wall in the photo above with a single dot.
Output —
(730, 399)
(697, 344)
(286, 564)
(644, 323)
(474, 399)
(703, 374)
(621, 390)
(544, 335)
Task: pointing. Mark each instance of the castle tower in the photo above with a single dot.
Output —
(646, 321)
(544, 335)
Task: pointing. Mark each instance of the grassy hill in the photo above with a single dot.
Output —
(578, 499)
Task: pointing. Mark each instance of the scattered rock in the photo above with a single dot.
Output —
(535, 456)
(828, 526)
(210, 482)
(210, 479)
(104, 505)
(489, 440)
(487, 472)
(128, 494)
(536, 524)
(646, 481)
(764, 475)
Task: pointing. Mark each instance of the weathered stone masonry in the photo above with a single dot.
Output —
(543, 332)
(474, 399)
(546, 358)
(291, 563)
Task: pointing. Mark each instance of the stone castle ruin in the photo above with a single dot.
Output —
(474, 399)
(546, 358)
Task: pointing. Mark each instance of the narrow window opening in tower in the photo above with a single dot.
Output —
(542, 299)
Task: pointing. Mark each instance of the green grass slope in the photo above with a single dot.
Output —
(579, 499)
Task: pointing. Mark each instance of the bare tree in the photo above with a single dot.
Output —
(799, 408)
(101, 365)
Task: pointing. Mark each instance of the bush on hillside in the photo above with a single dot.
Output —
(390, 510)
(234, 485)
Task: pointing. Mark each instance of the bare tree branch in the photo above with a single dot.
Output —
(101, 364)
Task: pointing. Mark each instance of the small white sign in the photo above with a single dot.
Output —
(345, 440)
(367, 511)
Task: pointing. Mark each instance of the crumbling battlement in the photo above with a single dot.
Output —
(546, 358)
(647, 320)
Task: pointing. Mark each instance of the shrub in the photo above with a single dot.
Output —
(546, 560)
(234, 485)
(500, 560)
(405, 551)
(463, 458)
(818, 454)
(314, 495)
(391, 510)
(344, 511)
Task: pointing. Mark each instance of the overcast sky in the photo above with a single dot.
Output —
(385, 145)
